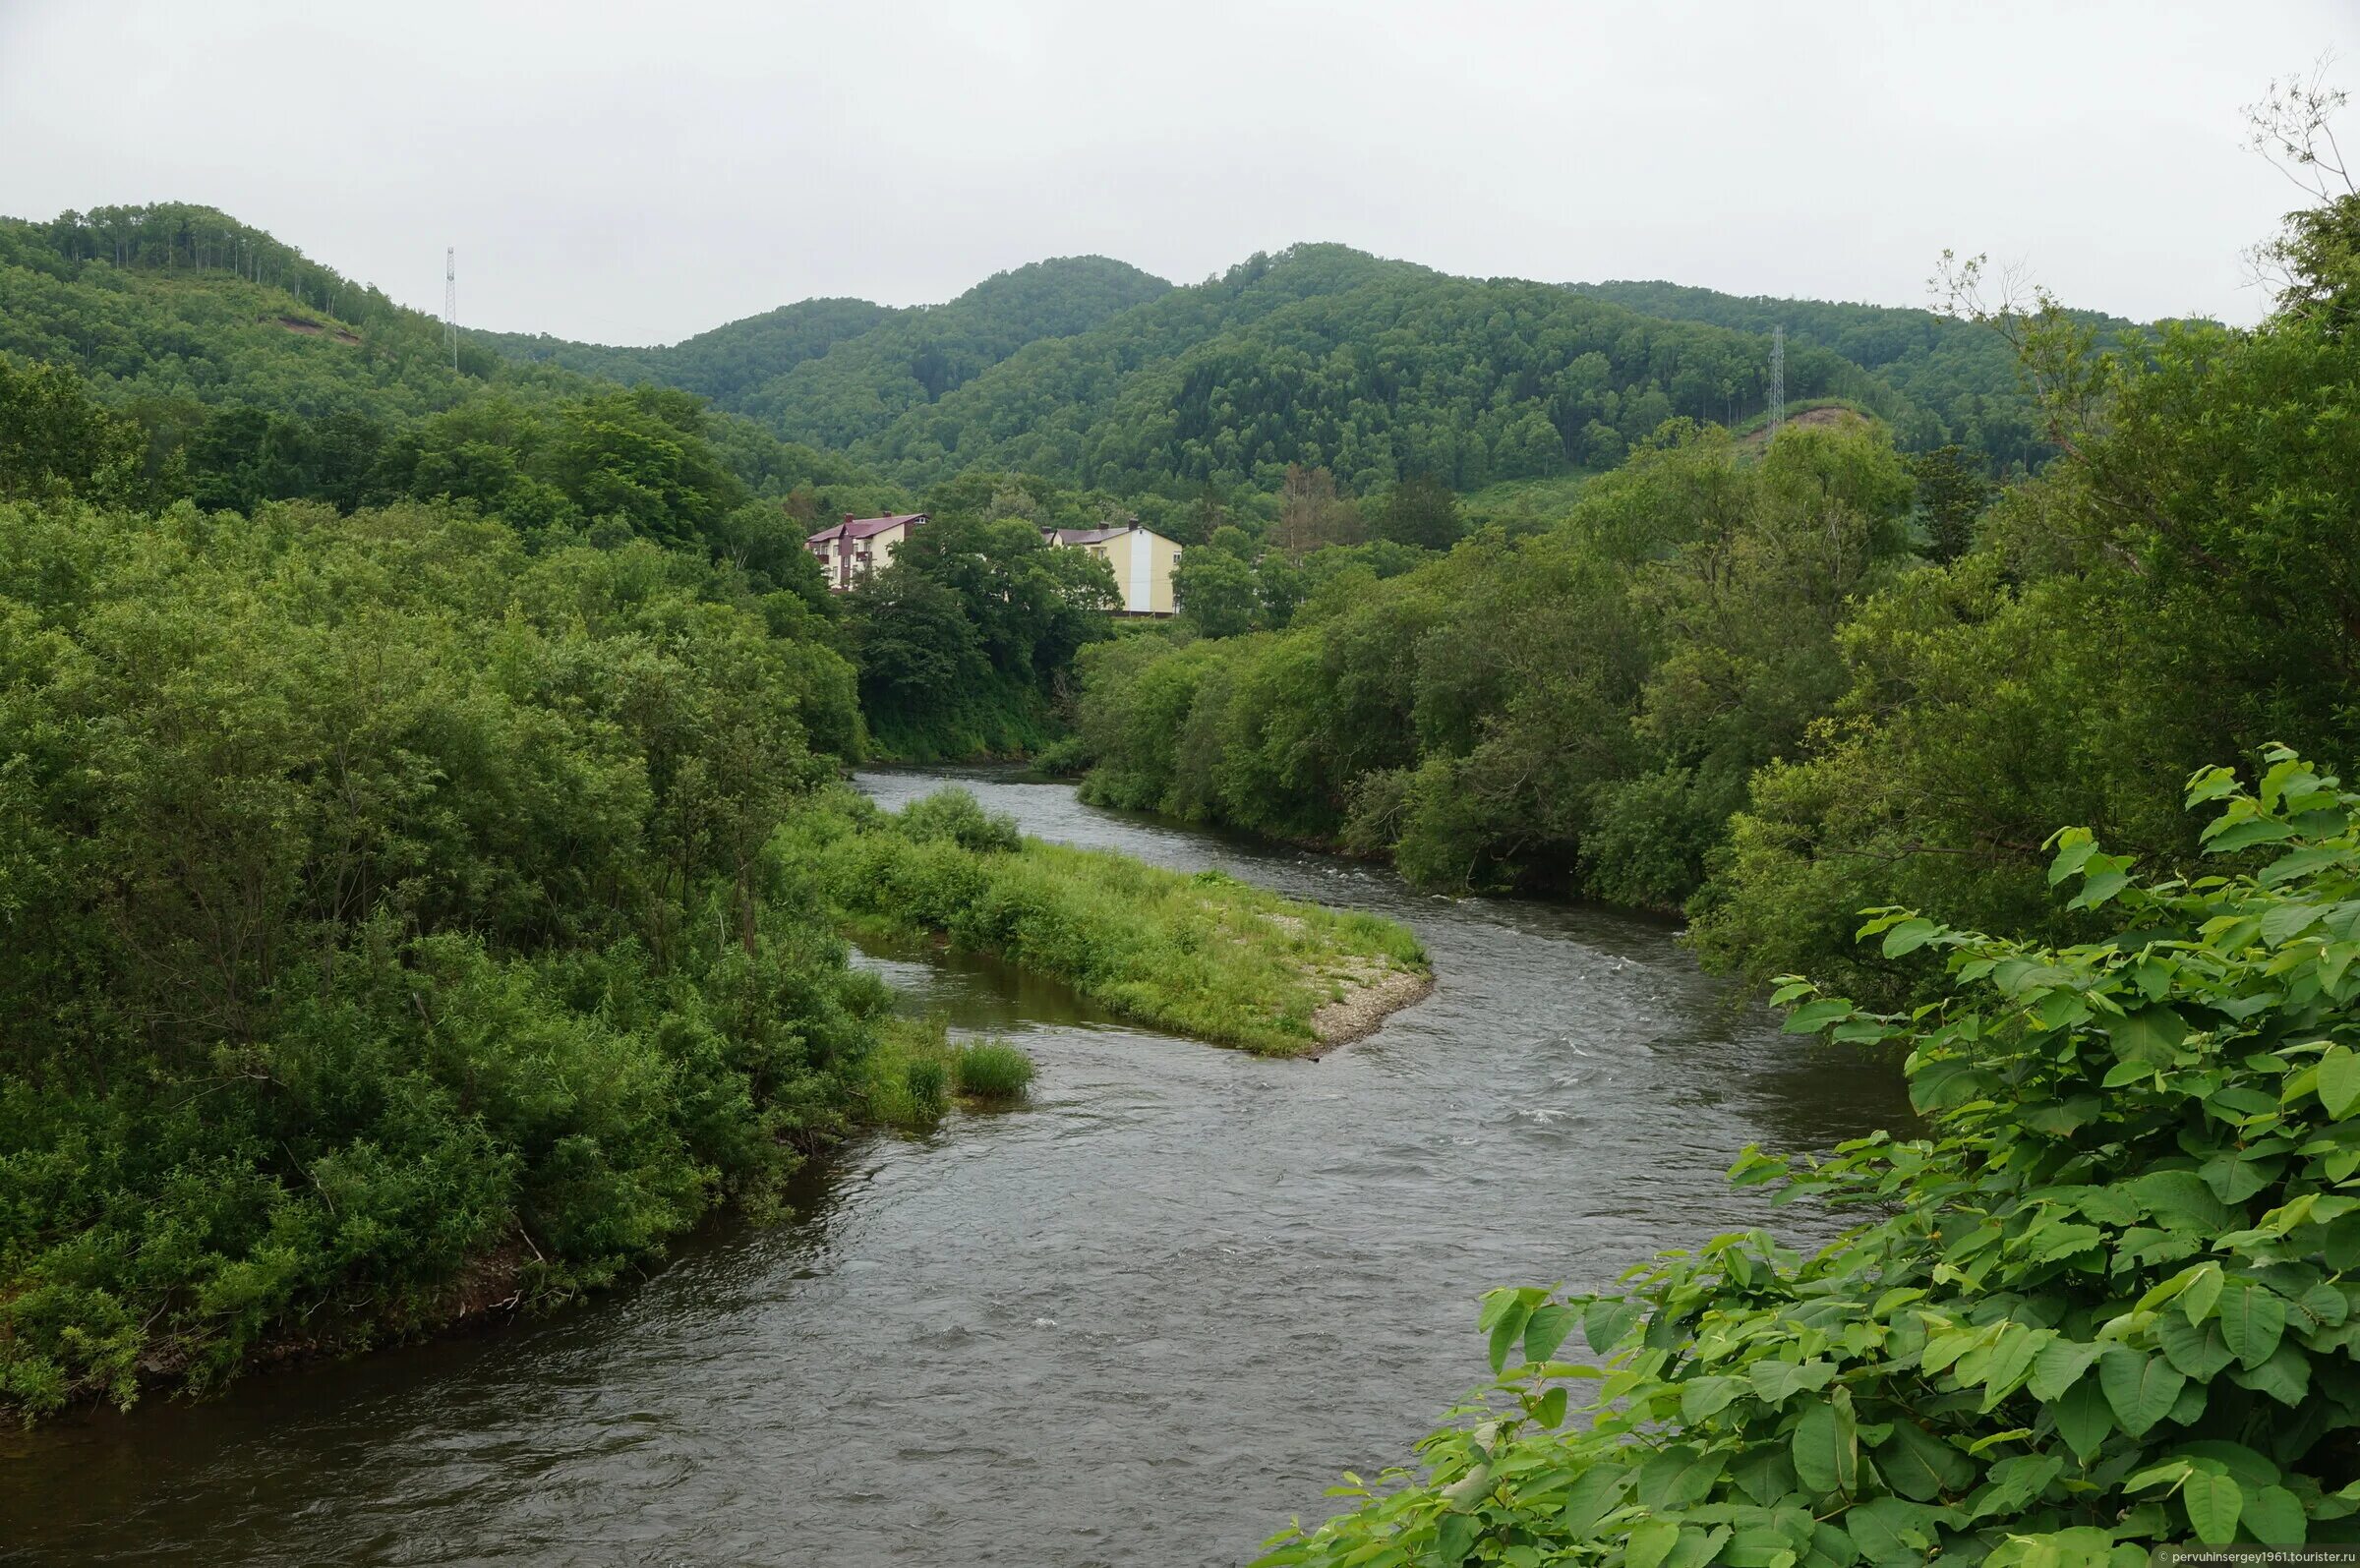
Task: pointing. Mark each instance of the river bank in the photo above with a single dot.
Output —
(1141, 1321)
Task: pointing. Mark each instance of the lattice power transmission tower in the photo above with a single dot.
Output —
(451, 302)
(1778, 379)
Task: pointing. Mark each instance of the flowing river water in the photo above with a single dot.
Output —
(1142, 1319)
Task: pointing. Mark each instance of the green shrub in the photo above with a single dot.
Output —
(954, 815)
(926, 1078)
(991, 1069)
(381, 916)
(2112, 1301)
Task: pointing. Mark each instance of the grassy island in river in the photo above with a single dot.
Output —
(1203, 955)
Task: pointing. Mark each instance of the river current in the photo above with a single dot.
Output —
(1142, 1319)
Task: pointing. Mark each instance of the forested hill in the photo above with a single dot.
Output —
(1955, 375)
(1083, 370)
(724, 364)
(1326, 357)
(256, 374)
(1318, 355)
(183, 303)
(834, 371)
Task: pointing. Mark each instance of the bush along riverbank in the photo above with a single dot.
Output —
(2109, 1303)
(1205, 954)
(385, 932)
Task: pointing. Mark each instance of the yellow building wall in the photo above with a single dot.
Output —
(1142, 565)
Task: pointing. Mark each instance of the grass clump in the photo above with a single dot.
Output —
(907, 1077)
(1205, 954)
(925, 1080)
(991, 1069)
(913, 1071)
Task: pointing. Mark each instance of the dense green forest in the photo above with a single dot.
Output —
(1315, 398)
(1679, 685)
(1958, 376)
(390, 924)
(723, 365)
(834, 371)
(242, 373)
(1318, 356)
(1776, 686)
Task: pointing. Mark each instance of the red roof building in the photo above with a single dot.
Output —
(853, 548)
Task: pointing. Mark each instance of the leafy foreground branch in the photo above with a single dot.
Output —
(2106, 1306)
(1203, 955)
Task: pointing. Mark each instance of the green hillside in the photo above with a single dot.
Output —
(182, 303)
(860, 386)
(1321, 356)
(258, 374)
(1325, 356)
(1959, 377)
(724, 364)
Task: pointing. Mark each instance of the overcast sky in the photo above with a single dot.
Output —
(637, 173)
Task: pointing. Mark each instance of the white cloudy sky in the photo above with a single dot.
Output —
(634, 173)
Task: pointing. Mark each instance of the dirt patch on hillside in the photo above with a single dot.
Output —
(310, 328)
(1809, 418)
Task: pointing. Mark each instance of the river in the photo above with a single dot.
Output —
(1142, 1319)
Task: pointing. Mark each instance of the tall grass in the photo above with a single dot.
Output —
(907, 1074)
(914, 1070)
(991, 1069)
(1203, 955)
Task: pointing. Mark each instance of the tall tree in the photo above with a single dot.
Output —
(1420, 510)
(1951, 495)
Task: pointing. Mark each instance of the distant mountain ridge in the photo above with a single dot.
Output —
(1326, 355)
(1083, 369)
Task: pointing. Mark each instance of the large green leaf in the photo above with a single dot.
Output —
(1679, 1478)
(1591, 1498)
(1890, 1532)
(2181, 1202)
(2140, 1389)
(2150, 1036)
(2340, 1082)
(2083, 1417)
(1696, 1546)
(2273, 1516)
(1916, 1464)
(2251, 1319)
(2058, 1366)
(1908, 937)
(2196, 1349)
(1826, 1449)
(2245, 834)
(2214, 1501)
(1766, 1475)
(2235, 1176)
(1606, 1323)
(2285, 1376)
(1546, 1330)
(1776, 1380)
(1700, 1397)
(1507, 1331)
(1650, 1543)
